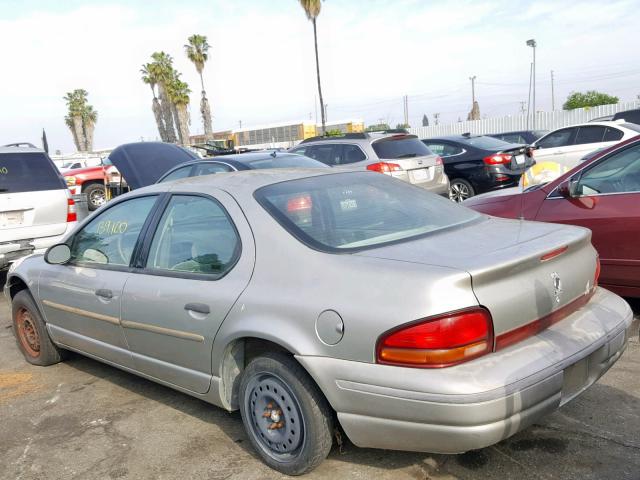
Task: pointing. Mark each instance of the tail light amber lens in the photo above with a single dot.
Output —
(596, 277)
(440, 341)
(72, 216)
(384, 167)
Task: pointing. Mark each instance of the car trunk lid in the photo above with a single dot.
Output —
(521, 271)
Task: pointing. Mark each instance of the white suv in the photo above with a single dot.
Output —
(36, 208)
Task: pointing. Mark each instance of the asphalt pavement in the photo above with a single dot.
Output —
(84, 420)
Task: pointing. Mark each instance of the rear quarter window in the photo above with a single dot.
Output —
(28, 172)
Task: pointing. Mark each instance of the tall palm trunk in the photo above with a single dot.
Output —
(322, 110)
(157, 112)
(167, 114)
(89, 128)
(205, 111)
(69, 123)
(183, 125)
(77, 127)
(177, 122)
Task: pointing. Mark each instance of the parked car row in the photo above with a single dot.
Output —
(308, 291)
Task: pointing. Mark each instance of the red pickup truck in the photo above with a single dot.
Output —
(90, 181)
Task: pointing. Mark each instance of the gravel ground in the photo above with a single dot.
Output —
(83, 419)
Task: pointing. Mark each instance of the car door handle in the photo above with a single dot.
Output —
(197, 307)
(104, 293)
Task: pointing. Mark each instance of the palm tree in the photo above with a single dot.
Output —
(197, 51)
(69, 122)
(149, 77)
(162, 68)
(76, 101)
(178, 92)
(89, 119)
(312, 9)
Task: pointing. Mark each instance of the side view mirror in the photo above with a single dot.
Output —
(569, 188)
(58, 254)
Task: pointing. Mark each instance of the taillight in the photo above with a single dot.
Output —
(440, 341)
(439, 160)
(297, 204)
(72, 216)
(596, 277)
(498, 159)
(384, 167)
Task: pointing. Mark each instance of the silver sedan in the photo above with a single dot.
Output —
(308, 300)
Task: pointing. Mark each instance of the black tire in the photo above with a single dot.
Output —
(31, 333)
(94, 192)
(294, 447)
(460, 189)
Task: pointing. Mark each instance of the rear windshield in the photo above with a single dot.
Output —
(632, 126)
(400, 147)
(486, 143)
(28, 172)
(284, 161)
(355, 211)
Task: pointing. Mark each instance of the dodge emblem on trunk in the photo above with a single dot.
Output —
(557, 286)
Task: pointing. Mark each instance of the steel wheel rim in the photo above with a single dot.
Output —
(27, 333)
(97, 198)
(459, 192)
(274, 417)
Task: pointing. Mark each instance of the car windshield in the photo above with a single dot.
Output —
(283, 161)
(354, 211)
(28, 172)
(485, 143)
(401, 146)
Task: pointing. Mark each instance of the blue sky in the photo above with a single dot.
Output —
(262, 69)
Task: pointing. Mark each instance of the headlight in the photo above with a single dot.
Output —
(71, 181)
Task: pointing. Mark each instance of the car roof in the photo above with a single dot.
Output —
(244, 181)
(5, 149)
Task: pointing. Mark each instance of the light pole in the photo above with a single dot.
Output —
(532, 43)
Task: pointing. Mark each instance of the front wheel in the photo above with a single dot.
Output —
(287, 418)
(31, 333)
(460, 190)
(96, 196)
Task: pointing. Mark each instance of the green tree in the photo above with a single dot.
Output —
(197, 51)
(178, 92)
(81, 119)
(378, 127)
(312, 9)
(149, 77)
(403, 125)
(336, 132)
(162, 69)
(588, 99)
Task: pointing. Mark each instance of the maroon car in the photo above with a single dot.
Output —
(602, 194)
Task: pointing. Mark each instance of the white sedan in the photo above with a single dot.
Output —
(566, 146)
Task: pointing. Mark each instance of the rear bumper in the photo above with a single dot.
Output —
(477, 404)
(13, 250)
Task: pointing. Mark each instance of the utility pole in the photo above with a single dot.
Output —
(405, 102)
(532, 43)
(240, 123)
(436, 116)
(553, 98)
(522, 107)
(473, 90)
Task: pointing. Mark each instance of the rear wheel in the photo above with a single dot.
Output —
(460, 190)
(287, 418)
(96, 196)
(31, 333)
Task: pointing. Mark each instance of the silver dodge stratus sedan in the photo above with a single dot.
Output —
(308, 299)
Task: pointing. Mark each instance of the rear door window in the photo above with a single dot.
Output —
(402, 146)
(195, 235)
(352, 154)
(560, 138)
(612, 135)
(28, 172)
(323, 153)
(590, 135)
